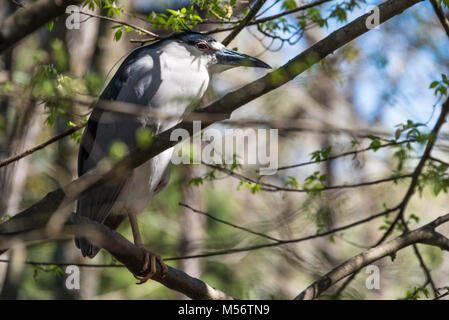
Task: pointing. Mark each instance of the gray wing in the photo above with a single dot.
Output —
(98, 137)
(133, 83)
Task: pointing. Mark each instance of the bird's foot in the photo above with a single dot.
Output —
(150, 264)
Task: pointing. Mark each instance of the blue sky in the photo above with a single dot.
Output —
(415, 69)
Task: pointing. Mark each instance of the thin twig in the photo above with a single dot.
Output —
(228, 223)
(19, 156)
(65, 264)
(142, 30)
(274, 188)
(425, 235)
(345, 154)
(268, 245)
(251, 14)
(411, 190)
(17, 3)
(257, 21)
(442, 295)
(441, 16)
(439, 161)
(283, 242)
(423, 265)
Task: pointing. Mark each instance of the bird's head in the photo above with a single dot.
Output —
(217, 57)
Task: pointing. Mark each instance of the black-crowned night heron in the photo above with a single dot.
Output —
(166, 76)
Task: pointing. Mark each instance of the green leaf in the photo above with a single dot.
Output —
(254, 187)
(292, 182)
(118, 35)
(440, 86)
(196, 181)
(437, 188)
(173, 12)
(50, 25)
(433, 84)
(375, 144)
(414, 217)
(210, 175)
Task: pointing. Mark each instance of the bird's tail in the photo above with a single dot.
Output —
(96, 207)
(87, 249)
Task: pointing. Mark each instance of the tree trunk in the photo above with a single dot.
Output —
(192, 225)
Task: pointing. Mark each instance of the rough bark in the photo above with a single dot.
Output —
(27, 20)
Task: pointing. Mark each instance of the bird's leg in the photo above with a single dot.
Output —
(150, 257)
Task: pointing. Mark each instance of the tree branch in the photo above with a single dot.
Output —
(124, 23)
(345, 154)
(27, 20)
(253, 22)
(32, 220)
(424, 235)
(441, 16)
(410, 191)
(251, 14)
(42, 145)
(423, 265)
(126, 252)
(228, 223)
(268, 187)
(419, 168)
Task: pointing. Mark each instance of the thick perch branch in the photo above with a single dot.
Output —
(48, 211)
(425, 235)
(123, 250)
(25, 21)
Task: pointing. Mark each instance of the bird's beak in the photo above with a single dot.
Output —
(230, 57)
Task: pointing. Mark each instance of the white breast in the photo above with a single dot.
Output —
(184, 79)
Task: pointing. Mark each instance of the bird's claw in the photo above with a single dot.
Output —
(150, 263)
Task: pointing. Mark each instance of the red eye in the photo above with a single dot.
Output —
(202, 46)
